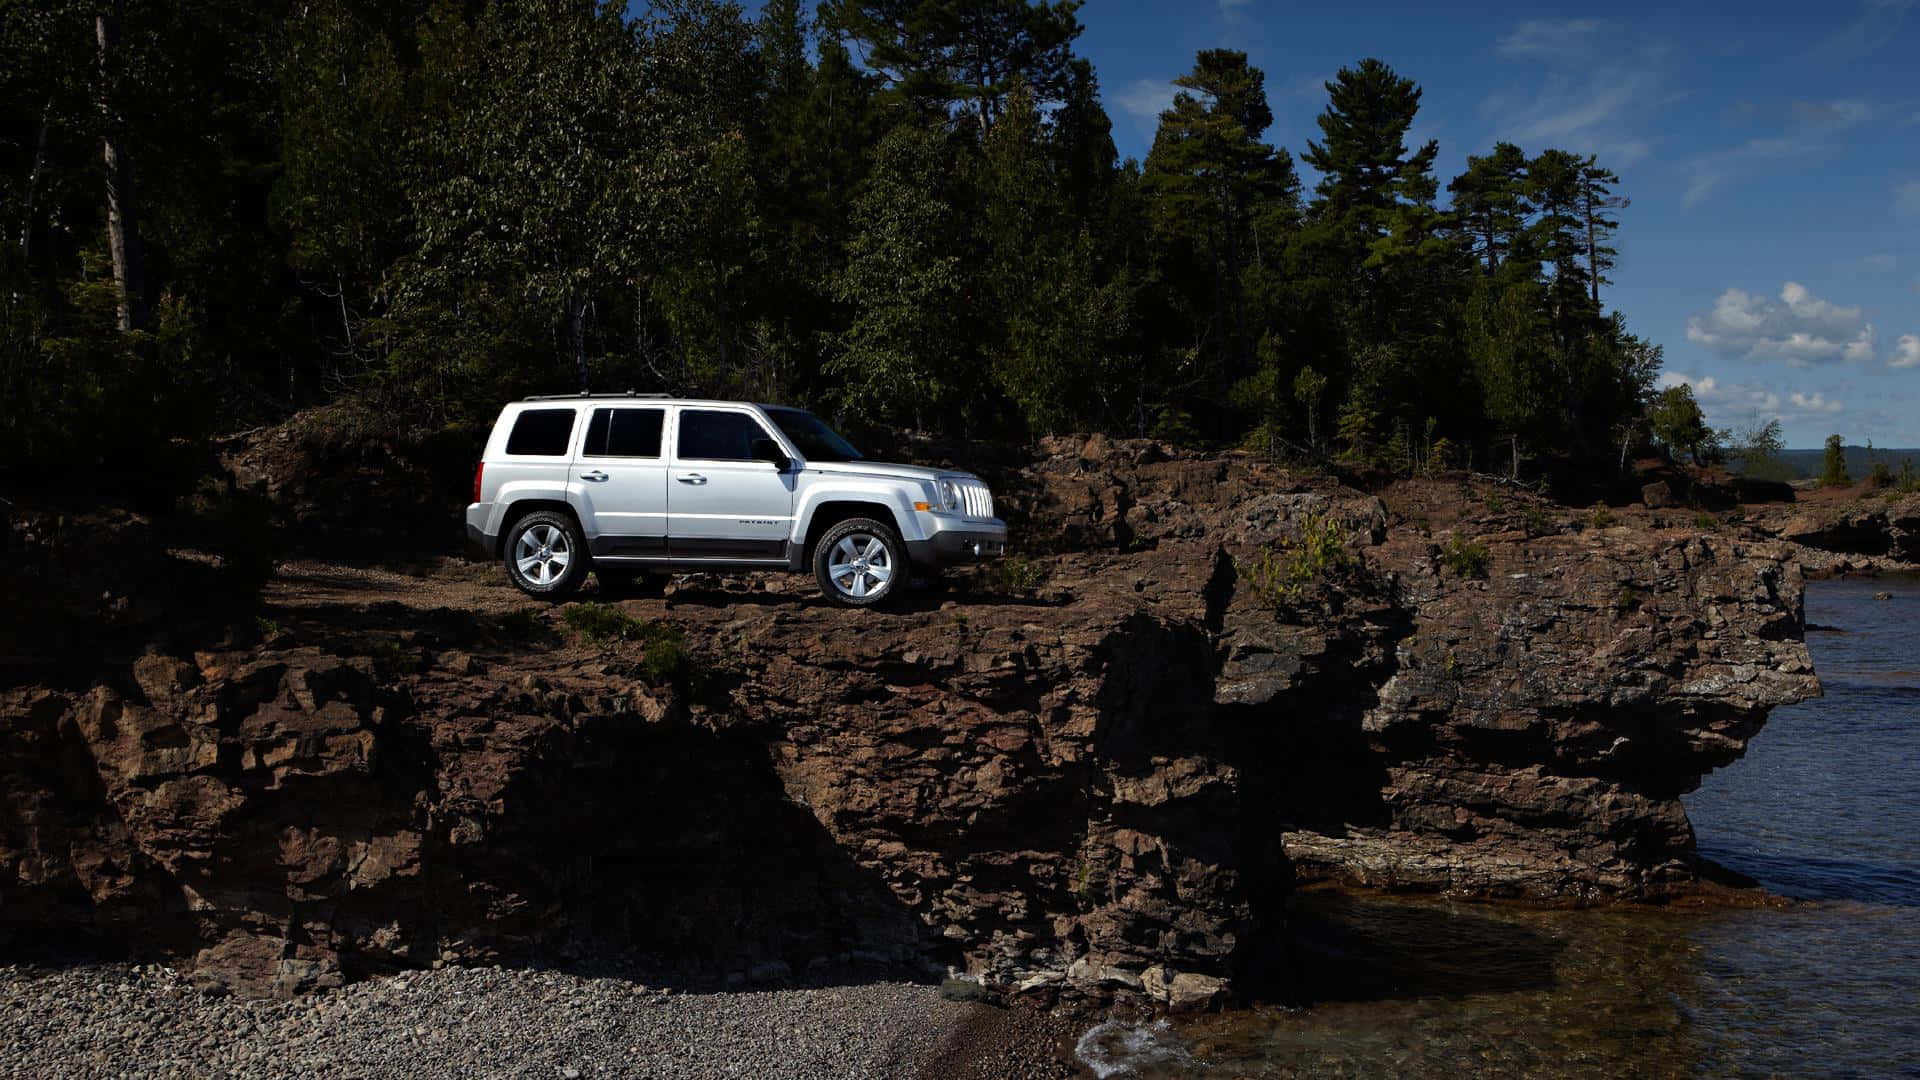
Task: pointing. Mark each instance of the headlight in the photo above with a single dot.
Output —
(949, 495)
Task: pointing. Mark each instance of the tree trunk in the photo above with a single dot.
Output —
(33, 180)
(577, 333)
(1516, 459)
(123, 230)
(1593, 243)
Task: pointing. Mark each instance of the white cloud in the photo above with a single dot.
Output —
(1800, 328)
(1588, 110)
(1548, 37)
(1734, 403)
(1867, 31)
(1146, 99)
(1815, 403)
(1906, 352)
(1718, 397)
(1810, 128)
(1906, 198)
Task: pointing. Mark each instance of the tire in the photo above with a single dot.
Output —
(545, 555)
(860, 562)
(629, 582)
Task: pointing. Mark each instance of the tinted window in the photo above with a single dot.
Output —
(718, 436)
(624, 433)
(817, 441)
(541, 433)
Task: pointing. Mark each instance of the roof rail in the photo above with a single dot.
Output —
(577, 397)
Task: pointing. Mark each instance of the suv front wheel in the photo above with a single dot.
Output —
(860, 562)
(545, 555)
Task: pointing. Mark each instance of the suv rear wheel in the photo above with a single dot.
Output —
(860, 562)
(545, 555)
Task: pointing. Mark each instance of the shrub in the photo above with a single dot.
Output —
(1466, 558)
(1280, 577)
(1601, 518)
(663, 648)
(1017, 573)
(1539, 523)
(598, 623)
(1879, 477)
(1707, 521)
(1627, 599)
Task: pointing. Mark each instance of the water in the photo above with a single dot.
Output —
(1824, 808)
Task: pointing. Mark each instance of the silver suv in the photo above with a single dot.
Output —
(631, 484)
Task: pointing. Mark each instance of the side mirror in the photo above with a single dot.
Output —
(768, 450)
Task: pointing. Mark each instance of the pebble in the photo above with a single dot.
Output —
(147, 1020)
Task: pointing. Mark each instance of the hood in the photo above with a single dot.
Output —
(882, 470)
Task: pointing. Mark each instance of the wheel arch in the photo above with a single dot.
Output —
(832, 512)
(520, 508)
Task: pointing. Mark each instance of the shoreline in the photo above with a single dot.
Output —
(116, 1018)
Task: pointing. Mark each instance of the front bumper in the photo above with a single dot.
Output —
(959, 542)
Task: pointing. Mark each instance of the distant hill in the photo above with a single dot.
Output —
(1805, 464)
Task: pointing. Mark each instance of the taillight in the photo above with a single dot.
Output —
(478, 471)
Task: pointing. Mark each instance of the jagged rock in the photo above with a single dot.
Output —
(1108, 792)
(1873, 533)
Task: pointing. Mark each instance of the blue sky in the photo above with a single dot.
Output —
(1772, 153)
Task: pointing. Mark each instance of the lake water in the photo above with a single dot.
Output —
(1825, 808)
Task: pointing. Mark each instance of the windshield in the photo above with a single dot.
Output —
(815, 440)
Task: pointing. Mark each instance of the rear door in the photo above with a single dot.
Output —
(722, 504)
(622, 473)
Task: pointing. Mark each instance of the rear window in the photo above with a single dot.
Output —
(541, 433)
(624, 433)
(718, 436)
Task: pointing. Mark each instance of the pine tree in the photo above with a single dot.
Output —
(1218, 193)
(1490, 204)
(1596, 199)
(1833, 472)
(1366, 170)
(907, 349)
(964, 55)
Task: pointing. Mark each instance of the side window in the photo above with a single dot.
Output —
(541, 433)
(718, 436)
(624, 433)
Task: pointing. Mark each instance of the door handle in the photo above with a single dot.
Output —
(692, 478)
(596, 475)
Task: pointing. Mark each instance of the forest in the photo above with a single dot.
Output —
(904, 213)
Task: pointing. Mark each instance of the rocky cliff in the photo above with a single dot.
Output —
(1870, 533)
(1098, 776)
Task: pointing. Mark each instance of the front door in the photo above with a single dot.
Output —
(722, 504)
(621, 471)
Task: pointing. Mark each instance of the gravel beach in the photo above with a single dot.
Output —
(146, 1020)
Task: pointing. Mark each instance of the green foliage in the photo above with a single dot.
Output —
(1601, 518)
(1709, 522)
(903, 211)
(1465, 558)
(1678, 424)
(1834, 471)
(1757, 448)
(1280, 579)
(664, 656)
(1627, 599)
(905, 280)
(1018, 574)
